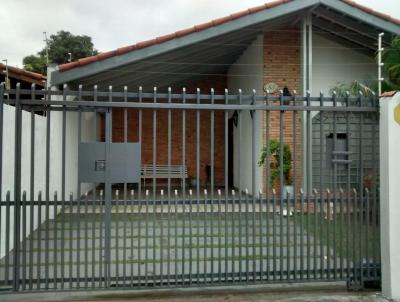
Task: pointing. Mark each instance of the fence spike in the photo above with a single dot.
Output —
(183, 89)
(162, 192)
(315, 191)
(101, 192)
(219, 192)
(280, 92)
(212, 90)
(176, 192)
(140, 88)
(226, 91)
(125, 88)
(334, 93)
(347, 93)
(294, 92)
(328, 191)
(254, 91)
(341, 191)
(147, 192)
(360, 93)
(233, 192)
(117, 192)
(366, 190)
(301, 191)
(246, 191)
(71, 195)
(169, 89)
(24, 194)
(273, 191)
(354, 190)
(205, 192)
(155, 89)
(39, 194)
(198, 90)
(132, 192)
(190, 192)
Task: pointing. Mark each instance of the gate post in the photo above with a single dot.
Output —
(389, 130)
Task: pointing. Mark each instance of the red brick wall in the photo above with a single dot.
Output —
(219, 84)
(282, 66)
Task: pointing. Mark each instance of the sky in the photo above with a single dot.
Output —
(115, 23)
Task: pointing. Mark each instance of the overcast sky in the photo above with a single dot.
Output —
(115, 23)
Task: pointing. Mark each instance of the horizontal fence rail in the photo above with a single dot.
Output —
(152, 190)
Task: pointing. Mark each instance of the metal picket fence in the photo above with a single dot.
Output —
(75, 212)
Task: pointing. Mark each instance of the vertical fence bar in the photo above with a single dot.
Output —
(321, 185)
(116, 234)
(374, 212)
(140, 135)
(233, 235)
(334, 188)
(32, 184)
(302, 234)
(94, 204)
(267, 181)
(190, 237)
(139, 222)
(161, 236)
(17, 189)
(125, 216)
(281, 182)
(315, 245)
(295, 188)
(348, 186)
(328, 233)
(63, 146)
(183, 183)
(169, 181)
(366, 232)
(361, 190)
(253, 182)
(205, 235)
(176, 237)
(198, 180)
(355, 235)
(86, 226)
(239, 177)
(308, 179)
(226, 184)
(47, 190)
(219, 238)
(55, 248)
(108, 193)
(24, 207)
(212, 122)
(147, 216)
(154, 181)
(39, 242)
(8, 233)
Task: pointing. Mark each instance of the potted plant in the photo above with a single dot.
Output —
(275, 169)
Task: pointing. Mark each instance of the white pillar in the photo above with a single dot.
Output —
(389, 130)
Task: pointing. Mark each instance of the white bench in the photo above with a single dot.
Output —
(164, 172)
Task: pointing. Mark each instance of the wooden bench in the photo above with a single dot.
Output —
(164, 172)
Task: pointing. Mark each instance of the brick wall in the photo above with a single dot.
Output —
(219, 84)
(282, 66)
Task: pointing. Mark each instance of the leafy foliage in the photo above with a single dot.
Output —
(391, 59)
(274, 149)
(59, 45)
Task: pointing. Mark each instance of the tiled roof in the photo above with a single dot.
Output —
(18, 71)
(200, 27)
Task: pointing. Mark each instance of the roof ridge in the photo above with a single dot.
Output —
(21, 71)
(161, 39)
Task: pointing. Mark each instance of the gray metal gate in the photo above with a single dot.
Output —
(86, 219)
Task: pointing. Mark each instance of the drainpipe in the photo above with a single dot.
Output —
(306, 48)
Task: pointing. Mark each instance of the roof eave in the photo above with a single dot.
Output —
(74, 74)
(365, 17)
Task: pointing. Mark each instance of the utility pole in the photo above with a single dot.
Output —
(380, 64)
(47, 47)
(7, 78)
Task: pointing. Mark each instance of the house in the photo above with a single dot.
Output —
(301, 45)
(18, 75)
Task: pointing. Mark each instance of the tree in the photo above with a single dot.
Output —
(391, 59)
(59, 47)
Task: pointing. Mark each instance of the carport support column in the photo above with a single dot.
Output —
(389, 128)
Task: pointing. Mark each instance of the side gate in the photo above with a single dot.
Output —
(106, 189)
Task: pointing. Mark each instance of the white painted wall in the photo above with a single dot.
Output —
(40, 160)
(333, 63)
(389, 134)
(252, 55)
